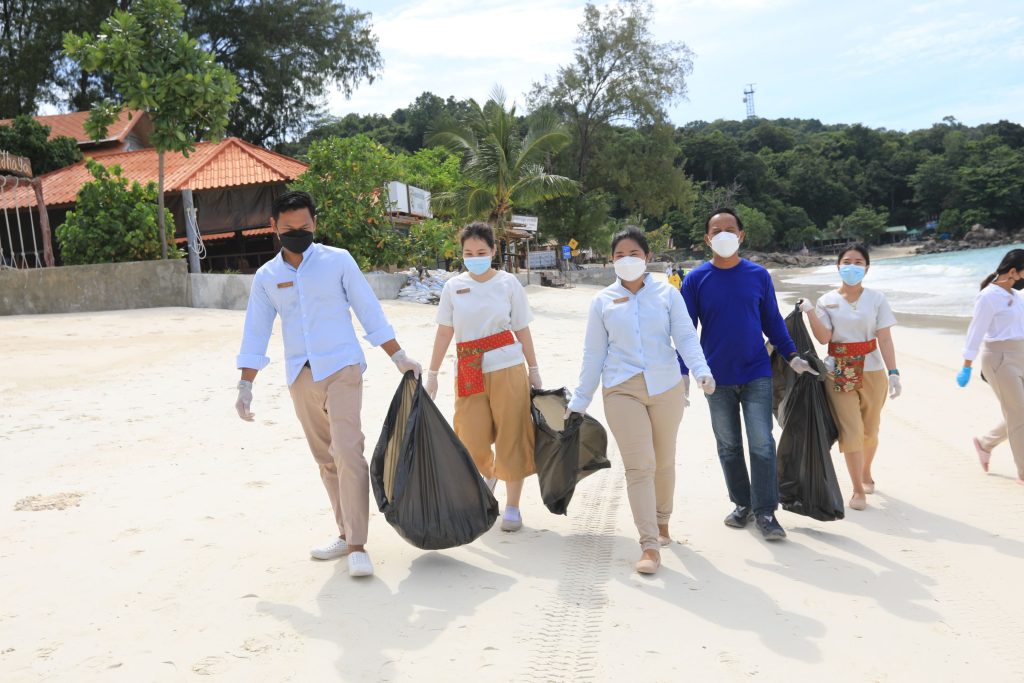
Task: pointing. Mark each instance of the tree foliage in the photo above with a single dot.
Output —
(113, 221)
(501, 168)
(27, 138)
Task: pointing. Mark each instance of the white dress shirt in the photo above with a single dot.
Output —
(480, 309)
(998, 316)
(629, 334)
(313, 301)
(857, 322)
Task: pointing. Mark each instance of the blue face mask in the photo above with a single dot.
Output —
(478, 265)
(852, 275)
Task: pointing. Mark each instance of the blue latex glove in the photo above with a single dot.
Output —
(963, 377)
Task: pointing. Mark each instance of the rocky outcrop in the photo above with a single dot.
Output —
(978, 237)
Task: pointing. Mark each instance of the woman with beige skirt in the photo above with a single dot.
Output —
(856, 324)
(486, 312)
(996, 334)
(634, 328)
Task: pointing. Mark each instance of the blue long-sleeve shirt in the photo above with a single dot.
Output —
(315, 302)
(630, 334)
(736, 309)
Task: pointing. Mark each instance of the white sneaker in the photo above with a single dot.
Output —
(359, 564)
(332, 551)
(512, 520)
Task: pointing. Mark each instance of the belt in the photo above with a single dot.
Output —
(471, 360)
(850, 357)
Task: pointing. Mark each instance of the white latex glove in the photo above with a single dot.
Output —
(895, 386)
(244, 401)
(707, 384)
(805, 305)
(686, 391)
(405, 364)
(535, 378)
(800, 366)
(431, 384)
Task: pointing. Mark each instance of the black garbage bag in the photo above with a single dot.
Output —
(807, 479)
(566, 451)
(423, 478)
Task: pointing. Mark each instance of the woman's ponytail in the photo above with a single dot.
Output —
(989, 280)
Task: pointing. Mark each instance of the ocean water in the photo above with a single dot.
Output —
(932, 284)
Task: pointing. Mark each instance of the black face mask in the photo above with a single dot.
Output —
(1019, 284)
(296, 241)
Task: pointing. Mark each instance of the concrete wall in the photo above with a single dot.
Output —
(593, 275)
(386, 285)
(212, 290)
(102, 287)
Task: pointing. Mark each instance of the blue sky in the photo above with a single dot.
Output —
(892, 64)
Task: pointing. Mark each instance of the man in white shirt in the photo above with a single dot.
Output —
(313, 287)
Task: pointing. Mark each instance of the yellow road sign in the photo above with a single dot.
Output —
(575, 252)
(573, 244)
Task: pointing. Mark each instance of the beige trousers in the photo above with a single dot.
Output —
(858, 413)
(329, 413)
(499, 415)
(1003, 365)
(645, 429)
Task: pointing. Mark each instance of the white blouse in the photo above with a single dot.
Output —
(857, 322)
(998, 316)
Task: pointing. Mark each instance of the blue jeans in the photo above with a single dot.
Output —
(759, 491)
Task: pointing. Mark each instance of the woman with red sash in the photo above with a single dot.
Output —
(486, 312)
(856, 325)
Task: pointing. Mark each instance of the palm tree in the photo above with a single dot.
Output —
(502, 170)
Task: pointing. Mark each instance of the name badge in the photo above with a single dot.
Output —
(620, 300)
(285, 285)
(466, 290)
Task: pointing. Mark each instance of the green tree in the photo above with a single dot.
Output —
(26, 48)
(992, 180)
(935, 185)
(347, 178)
(757, 229)
(620, 73)
(501, 169)
(863, 224)
(158, 69)
(27, 138)
(285, 55)
(112, 221)
(583, 217)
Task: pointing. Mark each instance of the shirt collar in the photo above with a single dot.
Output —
(308, 254)
(622, 290)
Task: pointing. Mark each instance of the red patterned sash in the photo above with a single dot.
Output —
(471, 360)
(850, 358)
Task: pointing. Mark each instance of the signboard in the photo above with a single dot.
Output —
(15, 165)
(419, 202)
(566, 252)
(398, 197)
(575, 252)
(541, 259)
(525, 223)
(573, 244)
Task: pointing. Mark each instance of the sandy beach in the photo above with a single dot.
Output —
(148, 534)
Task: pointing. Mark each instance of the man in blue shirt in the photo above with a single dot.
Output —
(734, 301)
(313, 288)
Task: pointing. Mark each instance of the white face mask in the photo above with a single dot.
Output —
(725, 244)
(630, 268)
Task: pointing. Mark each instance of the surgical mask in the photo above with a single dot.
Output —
(1019, 284)
(852, 275)
(478, 265)
(630, 268)
(296, 241)
(725, 244)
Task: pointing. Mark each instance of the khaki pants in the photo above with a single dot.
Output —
(499, 415)
(1003, 365)
(329, 413)
(645, 428)
(859, 413)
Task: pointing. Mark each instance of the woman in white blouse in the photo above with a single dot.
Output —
(629, 349)
(999, 322)
(486, 312)
(856, 323)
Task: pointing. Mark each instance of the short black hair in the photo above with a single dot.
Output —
(293, 200)
(480, 231)
(726, 210)
(632, 233)
(859, 248)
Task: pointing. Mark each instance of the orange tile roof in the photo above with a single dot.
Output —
(229, 163)
(73, 125)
